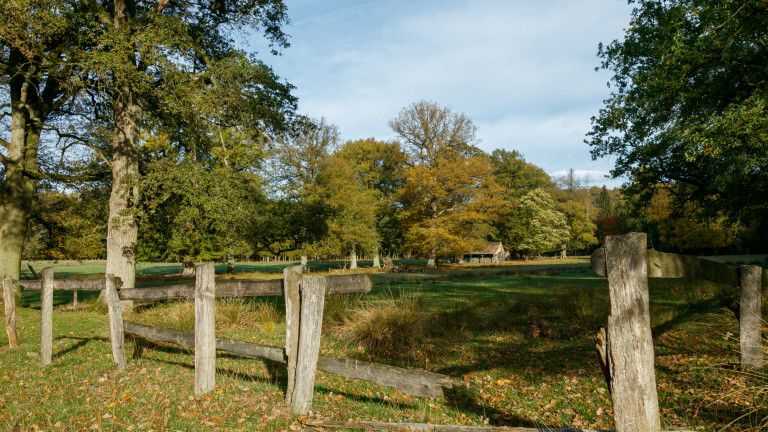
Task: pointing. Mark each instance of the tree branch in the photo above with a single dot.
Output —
(84, 142)
(62, 177)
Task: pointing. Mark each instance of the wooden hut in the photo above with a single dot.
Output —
(492, 253)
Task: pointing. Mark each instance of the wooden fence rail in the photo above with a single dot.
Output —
(669, 266)
(354, 283)
(411, 382)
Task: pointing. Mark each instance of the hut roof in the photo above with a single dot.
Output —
(490, 249)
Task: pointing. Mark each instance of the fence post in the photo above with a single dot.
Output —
(46, 315)
(9, 302)
(312, 303)
(116, 331)
(750, 336)
(205, 329)
(291, 284)
(630, 345)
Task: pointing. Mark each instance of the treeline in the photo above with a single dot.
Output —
(148, 125)
(432, 194)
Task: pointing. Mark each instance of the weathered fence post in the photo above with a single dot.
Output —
(205, 329)
(116, 331)
(9, 303)
(291, 284)
(750, 322)
(312, 303)
(46, 315)
(630, 346)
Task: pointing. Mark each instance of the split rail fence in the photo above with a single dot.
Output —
(304, 300)
(625, 348)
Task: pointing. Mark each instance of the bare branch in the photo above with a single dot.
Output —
(161, 4)
(82, 141)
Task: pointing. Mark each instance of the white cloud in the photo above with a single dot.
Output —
(523, 71)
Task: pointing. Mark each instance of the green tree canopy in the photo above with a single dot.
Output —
(537, 225)
(690, 102)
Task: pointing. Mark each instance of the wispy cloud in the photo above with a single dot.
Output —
(338, 14)
(523, 71)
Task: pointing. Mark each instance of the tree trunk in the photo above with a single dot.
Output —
(121, 228)
(17, 189)
(376, 261)
(432, 262)
(189, 268)
(230, 261)
(353, 258)
(304, 256)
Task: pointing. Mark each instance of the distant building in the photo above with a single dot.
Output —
(492, 253)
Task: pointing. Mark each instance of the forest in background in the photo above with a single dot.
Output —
(313, 194)
(145, 131)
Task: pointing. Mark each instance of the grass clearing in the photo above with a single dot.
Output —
(521, 334)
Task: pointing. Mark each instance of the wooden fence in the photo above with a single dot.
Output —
(304, 298)
(625, 348)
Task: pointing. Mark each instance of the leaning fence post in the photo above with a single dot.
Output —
(291, 283)
(46, 315)
(205, 329)
(630, 345)
(312, 302)
(116, 331)
(750, 336)
(9, 302)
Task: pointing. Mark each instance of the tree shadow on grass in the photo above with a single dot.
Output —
(276, 372)
(468, 401)
(363, 398)
(81, 342)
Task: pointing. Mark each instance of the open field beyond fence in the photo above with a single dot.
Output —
(521, 334)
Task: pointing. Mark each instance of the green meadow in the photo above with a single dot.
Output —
(521, 335)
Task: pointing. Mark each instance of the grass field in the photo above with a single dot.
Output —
(521, 334)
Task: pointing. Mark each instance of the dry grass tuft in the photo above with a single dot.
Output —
(231, 314)
(390, 325)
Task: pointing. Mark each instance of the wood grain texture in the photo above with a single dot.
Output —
(411, 382)
(347, 284)
(116, 331)
(291, 286)
(668, 265)
(205, 330)
(46, 316)
(310, 327)
(427, 427)
(9, 305)
(69, 284)
(750, 318)
(630, 346)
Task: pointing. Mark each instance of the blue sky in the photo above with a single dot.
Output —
(523, 71)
